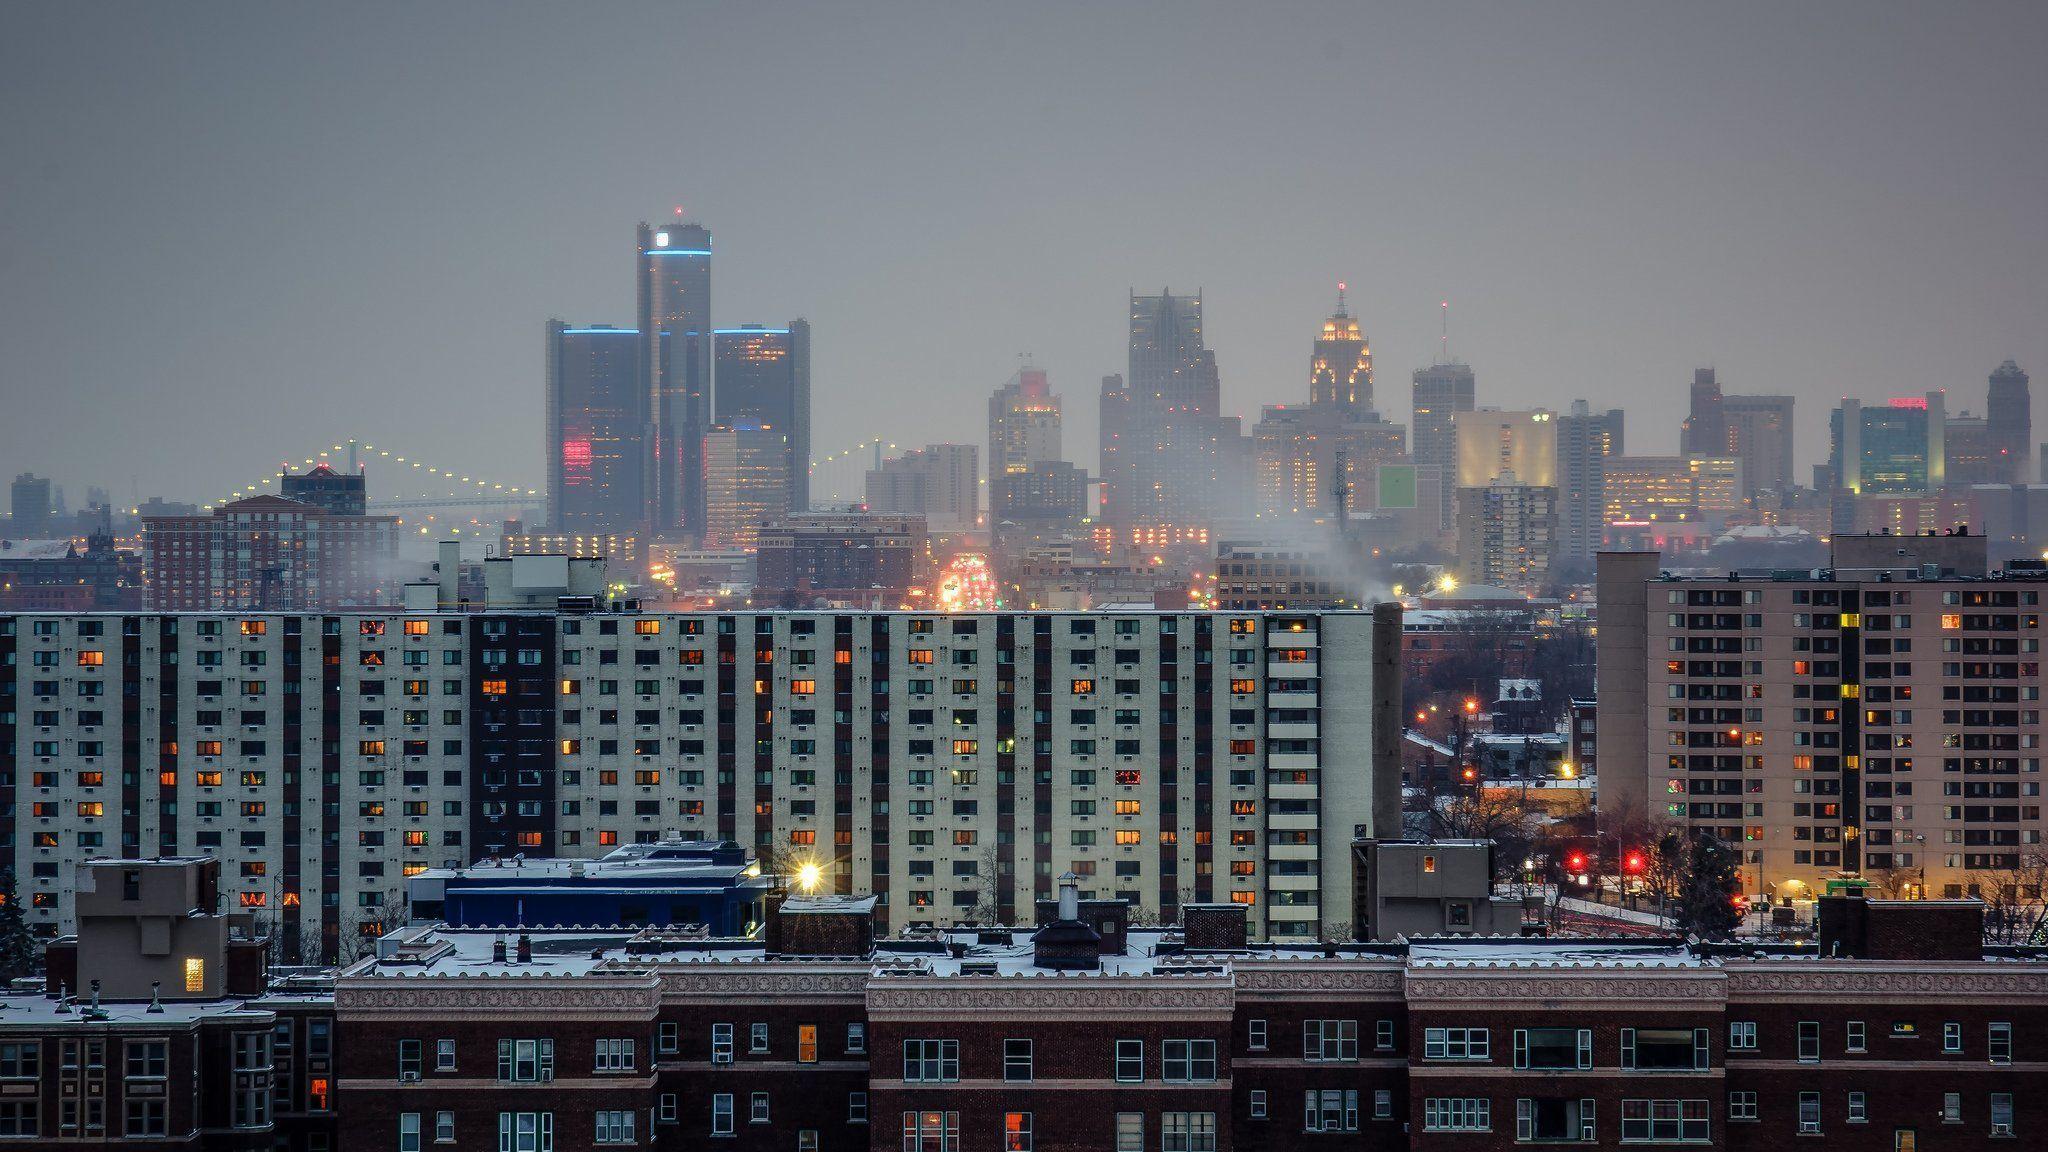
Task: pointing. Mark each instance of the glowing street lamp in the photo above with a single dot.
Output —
(808, 876)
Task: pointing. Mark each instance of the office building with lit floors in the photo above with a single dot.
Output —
(763, 377)
(952, 765)
(1077, 1028)
(1876, 722)
(596, 429)
(747, 483)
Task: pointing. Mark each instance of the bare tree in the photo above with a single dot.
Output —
(2014, 912)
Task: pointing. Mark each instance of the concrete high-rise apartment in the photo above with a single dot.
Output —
(1304, 455)
(940, 482)
(1585, 441)
(1166, 442)
(596, 429)
(1507, 533)
(764, 375)
(1871, 721)
(31, 506)
(1440, 392)
(1760, 434)
(952, 765)
(1705, 431)
(747, 482)
(672, 276)
(2009, 408)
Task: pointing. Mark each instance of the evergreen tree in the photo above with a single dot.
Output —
(1707, 890)
(18, 952)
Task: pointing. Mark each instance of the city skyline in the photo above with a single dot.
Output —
(1795, 280)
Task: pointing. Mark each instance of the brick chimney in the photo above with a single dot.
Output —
(1213, 926)
(1068, 943)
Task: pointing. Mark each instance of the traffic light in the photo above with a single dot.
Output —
(1576, 862)
(1632, 863)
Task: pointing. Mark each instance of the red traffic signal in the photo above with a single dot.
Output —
(1576, 862)
(1632, 863)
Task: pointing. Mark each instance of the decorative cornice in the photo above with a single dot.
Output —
(1288, 980)
(1553, 988)
(735, 982)
(1875, 978)
(956, 998)
(512, 997)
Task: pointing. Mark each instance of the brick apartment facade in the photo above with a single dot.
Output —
(979, 1039)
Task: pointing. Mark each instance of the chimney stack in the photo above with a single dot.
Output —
(498, 949)
(525, 948)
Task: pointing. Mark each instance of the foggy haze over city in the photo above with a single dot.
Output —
(233, 234)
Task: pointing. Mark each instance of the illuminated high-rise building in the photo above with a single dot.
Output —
(596, 433)
(673, 283)
(1897, 449)
(1340, 369)
(763, 375)
(1023, 423)
(1305, 458)
(746, 483)
(1441, 391)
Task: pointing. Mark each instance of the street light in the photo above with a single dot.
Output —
(808, 875)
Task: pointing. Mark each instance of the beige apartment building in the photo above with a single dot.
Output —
(952, 765)
(1879, 719)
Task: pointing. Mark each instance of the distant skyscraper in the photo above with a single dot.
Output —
(1340, 369)
(673, 275)
(763, 375)
(1705, 431)
(1170, 452)
(940, 482)
(746, 482)
(1441, 391)
(2008, 406)
(1899, 449)
(1760, 434)
(1585, 441)
(1304, 455)
(596, 430)
(1023, 430)
(31, 506)
(1113, 430)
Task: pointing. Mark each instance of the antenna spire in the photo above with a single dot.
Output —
(1443, 353)
(1340, 298)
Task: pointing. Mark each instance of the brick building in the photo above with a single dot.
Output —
(162, 1027)
(267, 552)
(1089, 1034)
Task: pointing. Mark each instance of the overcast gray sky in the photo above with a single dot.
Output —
(233, 233)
